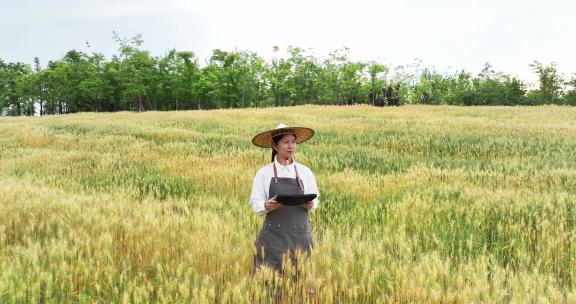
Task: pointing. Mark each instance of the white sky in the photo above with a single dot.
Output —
(444, 34)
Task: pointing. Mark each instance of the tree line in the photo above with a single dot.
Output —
(133, 80)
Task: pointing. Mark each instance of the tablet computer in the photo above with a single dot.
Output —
(294, 199)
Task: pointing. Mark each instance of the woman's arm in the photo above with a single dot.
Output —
(258, 196)
(311, 187)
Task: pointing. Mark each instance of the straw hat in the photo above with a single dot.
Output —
(264, 139)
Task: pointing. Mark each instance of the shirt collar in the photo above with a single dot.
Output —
(279, 166)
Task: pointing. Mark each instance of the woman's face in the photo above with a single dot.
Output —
(286, 146)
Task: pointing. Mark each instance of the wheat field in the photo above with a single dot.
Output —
(418, 204)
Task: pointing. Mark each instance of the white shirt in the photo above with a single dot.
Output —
(261, 184)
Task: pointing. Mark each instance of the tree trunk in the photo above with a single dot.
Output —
(177, 105)
(337, 101)
(150, 105)
(97, 106)
(372, 92)
(140, 109)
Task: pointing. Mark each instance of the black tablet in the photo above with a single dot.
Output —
(294, 199)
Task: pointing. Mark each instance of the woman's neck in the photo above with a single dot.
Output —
(283, 161)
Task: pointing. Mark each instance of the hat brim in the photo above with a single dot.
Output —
(264, 139)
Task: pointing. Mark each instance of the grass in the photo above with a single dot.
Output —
(418, 204)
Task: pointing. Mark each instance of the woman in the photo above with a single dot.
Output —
(286, 228)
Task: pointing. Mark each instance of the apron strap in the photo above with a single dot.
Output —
(275, 173)
(298, 179)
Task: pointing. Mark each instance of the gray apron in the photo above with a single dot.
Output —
(286, 229)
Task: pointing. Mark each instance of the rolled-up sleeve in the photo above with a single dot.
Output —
(258, 196)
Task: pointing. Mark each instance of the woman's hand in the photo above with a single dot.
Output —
(307, 205)
(271, 204)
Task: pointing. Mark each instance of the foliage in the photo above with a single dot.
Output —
(134, 80)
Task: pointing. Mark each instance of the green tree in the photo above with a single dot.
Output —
(250, 71)
(10, 75)
(211, 88)
(351, 78)
(167, 86)
(378, 73)
(431, 88)
(279, 75)
(221, 79)
(189, 80)
(39, 85)
(493, 88)
(306, 81)
(75, 70)
(27, 94)
(403, 83)
(551, 84)
(135, 74)
(332, 79)
(55, 80)
(94, 88)
(235, 79)
(570, 97)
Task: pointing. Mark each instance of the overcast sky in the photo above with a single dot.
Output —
(444, 34)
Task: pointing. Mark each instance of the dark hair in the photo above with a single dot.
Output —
(275, 140)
